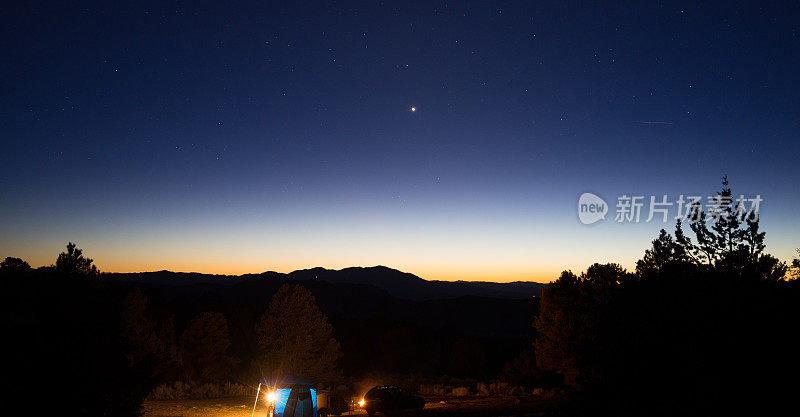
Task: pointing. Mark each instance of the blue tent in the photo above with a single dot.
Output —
(294, 396)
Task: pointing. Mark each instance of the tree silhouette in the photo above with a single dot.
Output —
(146, 339)
(467, 358)
(568, 321)
(733, 243)
(666, 250)
(73, 327)
(521, 369)
(204, 348)
(14, 265)
(733, 239)
(727, 236)
(295, 337)
(562, 319)
(72, 262)
(710, 317)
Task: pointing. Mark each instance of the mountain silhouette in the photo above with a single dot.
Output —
(505, 317)
(396, 283)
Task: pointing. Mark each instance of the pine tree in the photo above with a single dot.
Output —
(204, 348)
(72, 262)
(666, 250)
(568, 321)
(732, 241)
(295, 337)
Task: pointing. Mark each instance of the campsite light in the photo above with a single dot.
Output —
(361, 403)
(271, 397)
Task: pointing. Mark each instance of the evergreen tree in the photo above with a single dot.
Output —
(665, 250)
(204, 348)
(295, 337)
(796, 266)
(146, 339)
(568, 321)
(72, 262)
(733, 241)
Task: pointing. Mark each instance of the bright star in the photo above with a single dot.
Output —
(413, 109)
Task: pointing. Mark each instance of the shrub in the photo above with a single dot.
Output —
(180, 390)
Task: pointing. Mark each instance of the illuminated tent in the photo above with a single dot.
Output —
(294, 396)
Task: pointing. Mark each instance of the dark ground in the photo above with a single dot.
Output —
(434, 406)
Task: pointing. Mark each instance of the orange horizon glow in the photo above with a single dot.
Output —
(446, 249)
(495, 276)
(117, 264)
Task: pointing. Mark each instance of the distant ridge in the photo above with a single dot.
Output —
(397, 283)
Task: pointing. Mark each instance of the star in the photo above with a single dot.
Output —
(413, 109)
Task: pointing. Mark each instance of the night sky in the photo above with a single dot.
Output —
(234, 137)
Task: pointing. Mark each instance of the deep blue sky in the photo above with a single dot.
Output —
(240, 137)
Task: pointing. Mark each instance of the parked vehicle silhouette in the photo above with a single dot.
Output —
(390, 400)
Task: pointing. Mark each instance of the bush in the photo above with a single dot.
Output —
(461, 388)
(180, 390)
